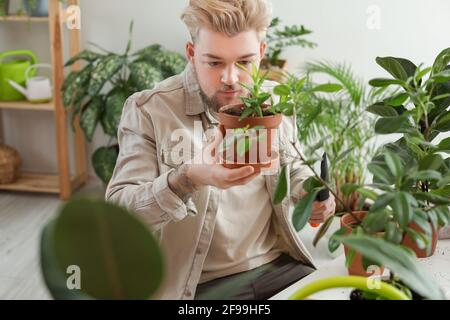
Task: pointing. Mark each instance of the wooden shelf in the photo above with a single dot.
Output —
(37, 182)
(24, 105)
(33, 182)
(24, 19)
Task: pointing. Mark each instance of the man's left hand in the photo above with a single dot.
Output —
(321, 211)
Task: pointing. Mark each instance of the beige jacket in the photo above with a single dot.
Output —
(148, 138)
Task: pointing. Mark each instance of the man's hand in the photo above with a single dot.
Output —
(204, 169)
(321, 211)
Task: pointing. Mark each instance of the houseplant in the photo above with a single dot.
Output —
(278, 39)
(343, 120)
(98, 91)
(255, 120)
(412, 172)
(97, 250)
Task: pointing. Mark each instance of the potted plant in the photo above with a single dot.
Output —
(254, 121)
(412, 172)
(278, 39)
(98, 91)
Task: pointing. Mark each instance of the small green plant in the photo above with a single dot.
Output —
(279, 39)
(99, 90)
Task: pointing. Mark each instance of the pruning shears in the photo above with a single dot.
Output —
(324, 194)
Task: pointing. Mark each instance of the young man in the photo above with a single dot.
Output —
(213, 223)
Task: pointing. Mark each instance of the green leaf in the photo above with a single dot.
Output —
(392, 233)
(113, 111)
(117, 254)
(404, 265)
(303, 210)
(426, 175)
(367, 193)
(144, 76)
(328, 87)
(431, 162)
(401, 206)
(442, 60)
(433, 198)
(397, 100)
(374, 221)
(392, 125)
(382, 110)
(323, 230)
(444, 145)
(394, 164)
(399, 68)
(382, 202)
(441, 77)
(104, 70)
(349, 188)
(443, 124)
(282, 90)
(381, 174)
(91, 116)
(382, 82)
(333, 242)
(104, 160)
(311, 184)
(281, 188)
(85, 55)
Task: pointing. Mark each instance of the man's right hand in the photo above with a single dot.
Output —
(205, 171)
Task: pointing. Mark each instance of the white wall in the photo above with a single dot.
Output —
(416, 29)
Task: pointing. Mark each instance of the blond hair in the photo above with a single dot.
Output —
(230, 17)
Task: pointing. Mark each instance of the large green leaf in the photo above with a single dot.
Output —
(75, 86)
(431, 162)
(380, 174)
(85, 55)
(382, 82)
(431, 197)
(402, 208)
(403, 264)
(327, 87)
(144, 76)
(113, 110)
(55, 278)
(394, 163)
(104, 160)
(399, 68)
(117, 255)
(91, 116)
(382, 110)
(104, 70)
(441, 61)
(281, 188)
(382, 201)
(392, 125)
(303, 210)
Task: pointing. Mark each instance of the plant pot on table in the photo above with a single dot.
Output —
(356, 268)
(410, 243)
(259, 153)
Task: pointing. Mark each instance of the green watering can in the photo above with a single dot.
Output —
(14, 70)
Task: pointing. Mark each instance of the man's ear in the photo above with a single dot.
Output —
(262, 49)
(190, 50)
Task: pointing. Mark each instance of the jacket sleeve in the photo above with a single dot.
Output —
(136, 182)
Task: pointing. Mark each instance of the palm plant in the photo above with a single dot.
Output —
(340, 125)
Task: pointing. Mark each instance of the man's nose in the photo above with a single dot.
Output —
(230, 75)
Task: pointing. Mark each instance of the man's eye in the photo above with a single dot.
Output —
(214, 63)
(244, 63)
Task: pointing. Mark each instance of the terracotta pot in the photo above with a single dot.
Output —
(356, 268)
(260, 154)
(410, 243)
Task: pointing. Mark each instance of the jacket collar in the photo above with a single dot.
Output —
(194, 102)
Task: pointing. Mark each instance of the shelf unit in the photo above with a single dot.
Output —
(61, 183)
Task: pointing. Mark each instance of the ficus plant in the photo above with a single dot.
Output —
(99, 90)
(373, 249)
(412, 174)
